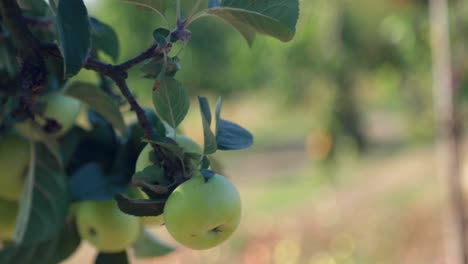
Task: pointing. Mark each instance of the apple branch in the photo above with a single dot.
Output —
(118, 73)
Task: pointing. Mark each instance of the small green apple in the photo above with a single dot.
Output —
(106, 227)
(187, 144)
(62, 108)
(8, 215)
(14, 160)
(147, 220)
(201, 214)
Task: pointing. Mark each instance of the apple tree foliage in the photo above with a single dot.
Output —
(43, 44)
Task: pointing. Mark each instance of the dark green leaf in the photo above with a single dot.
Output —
(219, 104)
(51, 251)
(160, 35)
(90, 183)
(74, 34)
(140, 207)
(123, 167)
(112, 258)
(205, 108)
(43, 205)
(276, 18)
(104, 38)
(232, 136)
(150, 174)
(148, 245)
(162, 32)
(171, 101)
(69, 142)
(100, 102)
(162, 42)
(210, 146)
(205, 164)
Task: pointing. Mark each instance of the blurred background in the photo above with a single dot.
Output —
(343, 169)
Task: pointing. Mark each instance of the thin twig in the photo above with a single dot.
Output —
(149, 53)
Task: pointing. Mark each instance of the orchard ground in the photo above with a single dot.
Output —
(383, 207)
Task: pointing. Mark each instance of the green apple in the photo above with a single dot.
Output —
(202, 214)
(8, 215)
(147, 220)
(187, 144)
(63, 109)
(14, 160)
(106, 227)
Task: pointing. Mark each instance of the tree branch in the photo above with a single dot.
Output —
(118, 73)
(141, 115)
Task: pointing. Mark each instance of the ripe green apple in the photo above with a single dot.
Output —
(187, 144)
(147, 220)
(202, 214)
(8, 215)
(14, 160)
(63, 109)
(106, 227)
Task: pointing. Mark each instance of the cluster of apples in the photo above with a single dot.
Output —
(15, 155)
(200, 213)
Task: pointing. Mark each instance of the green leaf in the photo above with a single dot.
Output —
(209, 138)
(148, 245)
(53, 250)
(43, 205)
(112, 258)
(171, 101)
(275, 18)
(140, 207)
(74, 34)
(231, 136)
(100, 102)
(104, 38)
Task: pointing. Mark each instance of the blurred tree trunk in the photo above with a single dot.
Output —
(449, 134)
